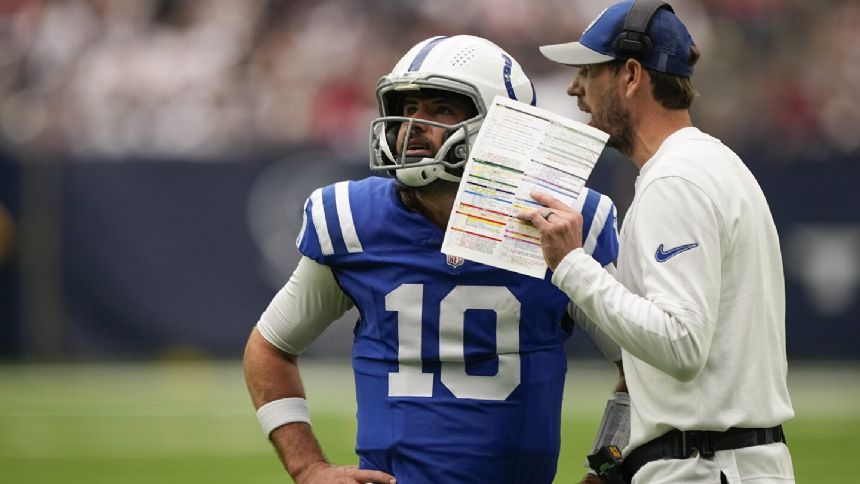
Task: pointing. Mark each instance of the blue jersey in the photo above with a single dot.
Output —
(459, 366)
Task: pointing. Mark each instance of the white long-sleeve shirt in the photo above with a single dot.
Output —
(699, 304)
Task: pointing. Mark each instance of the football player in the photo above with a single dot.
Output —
(459, 367)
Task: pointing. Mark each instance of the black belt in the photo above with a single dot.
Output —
(676, 444)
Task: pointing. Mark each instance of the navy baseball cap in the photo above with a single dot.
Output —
(670, 42)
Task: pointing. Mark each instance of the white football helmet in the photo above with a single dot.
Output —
(462, 64)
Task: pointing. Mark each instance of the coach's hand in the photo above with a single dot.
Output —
(325, 473)
(560, 228)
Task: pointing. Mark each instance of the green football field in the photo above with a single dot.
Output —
(193, 422)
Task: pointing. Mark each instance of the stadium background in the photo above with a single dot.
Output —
(155, 154)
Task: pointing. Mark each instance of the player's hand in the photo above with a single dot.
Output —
(325, 473)
(560, 227)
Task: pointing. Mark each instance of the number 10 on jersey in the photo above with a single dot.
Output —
(411, 381)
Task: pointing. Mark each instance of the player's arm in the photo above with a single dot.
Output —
(297, 315)
(272, 376)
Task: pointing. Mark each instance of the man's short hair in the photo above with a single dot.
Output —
(671, 91)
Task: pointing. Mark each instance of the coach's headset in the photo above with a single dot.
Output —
(633, 41)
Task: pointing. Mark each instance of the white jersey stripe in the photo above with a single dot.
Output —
(318, 215)
(344, 213)
(304, 223)
(601, 215)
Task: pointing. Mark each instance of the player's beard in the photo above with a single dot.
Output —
(434, 200)
(614, 119)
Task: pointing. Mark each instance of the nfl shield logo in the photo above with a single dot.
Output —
(454, 261)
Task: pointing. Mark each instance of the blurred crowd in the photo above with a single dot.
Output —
(222, 79)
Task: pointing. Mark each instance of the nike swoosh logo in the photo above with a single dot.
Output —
(664, 255)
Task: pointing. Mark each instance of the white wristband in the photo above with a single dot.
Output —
(281, 412)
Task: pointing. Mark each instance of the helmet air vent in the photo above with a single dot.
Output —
(464, 57)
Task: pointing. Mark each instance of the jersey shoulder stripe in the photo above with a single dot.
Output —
(344, 215)
(318, 222)
(599, 233)
(331, 229)
(332, 221)
(587, 203)
(301, 235)
(606, 246)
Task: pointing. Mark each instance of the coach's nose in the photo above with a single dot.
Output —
(576, 85)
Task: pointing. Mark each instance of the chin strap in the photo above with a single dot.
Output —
(419, 176)
(444, 175)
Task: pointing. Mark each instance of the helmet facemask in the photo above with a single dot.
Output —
(448, 161)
